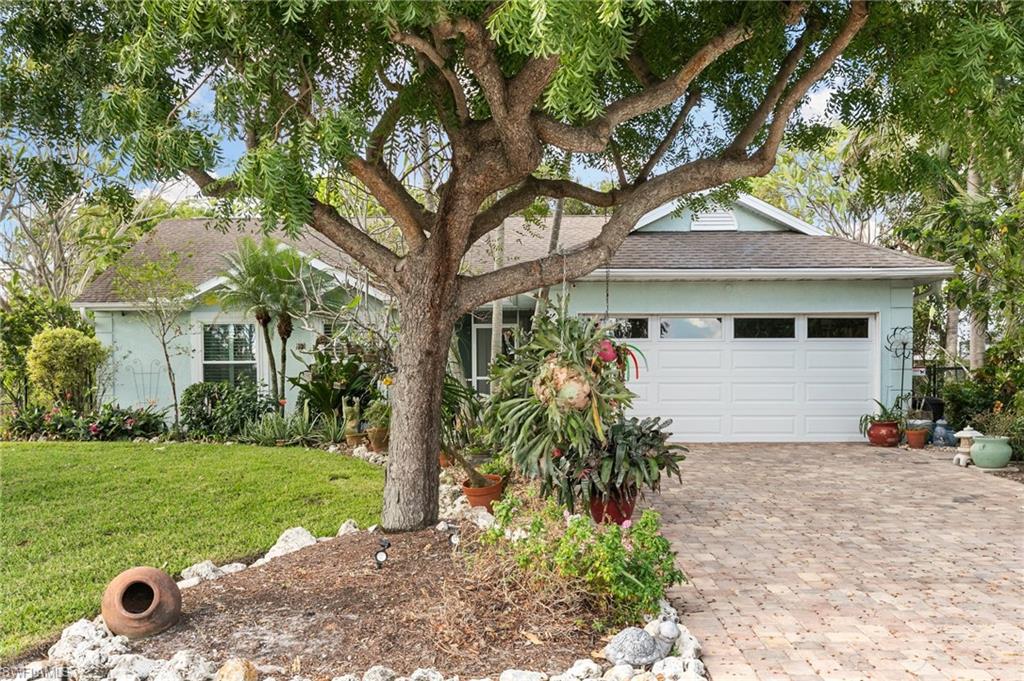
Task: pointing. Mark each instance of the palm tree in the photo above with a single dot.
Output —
(295, 280)
(252, 285)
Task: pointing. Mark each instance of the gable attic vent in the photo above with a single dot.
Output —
(715, 221)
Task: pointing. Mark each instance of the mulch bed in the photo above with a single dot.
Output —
(326, 610)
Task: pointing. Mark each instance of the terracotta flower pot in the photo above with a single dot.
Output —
(141, 602)
(616, 508)
(354, 439)
(917, 438)
(444, 460)
(884, 433)
(484, 496)
(378, 439)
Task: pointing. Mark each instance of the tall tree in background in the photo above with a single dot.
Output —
(322, 92)
(68, 213)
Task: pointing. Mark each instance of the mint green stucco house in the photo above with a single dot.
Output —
(755, 325)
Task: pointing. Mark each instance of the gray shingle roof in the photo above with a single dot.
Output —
(759, 250)
(204, 249)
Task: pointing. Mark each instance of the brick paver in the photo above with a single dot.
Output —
(848, 562)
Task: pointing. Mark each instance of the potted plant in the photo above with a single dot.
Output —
(461, 439)
(632, 460)
(917, 437)
(993, 450)
(378, 418)
(882, 427)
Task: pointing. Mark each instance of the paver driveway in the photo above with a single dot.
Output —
(848, 562)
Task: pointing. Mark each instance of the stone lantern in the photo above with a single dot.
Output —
(963, 452)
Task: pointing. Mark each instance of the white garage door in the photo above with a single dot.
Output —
(763, 378)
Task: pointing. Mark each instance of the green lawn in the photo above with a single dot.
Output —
(73, 515)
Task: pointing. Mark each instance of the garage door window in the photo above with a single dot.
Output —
(632, 327)
(691, 328)
(764, 327)
(837, 327)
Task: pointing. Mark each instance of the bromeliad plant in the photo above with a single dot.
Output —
(556, 395)
(633, 459)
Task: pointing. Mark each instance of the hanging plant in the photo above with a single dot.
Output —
(555, 395)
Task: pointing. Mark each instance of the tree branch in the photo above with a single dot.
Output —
(427, 50)
(789, 65)
(409, 215)
(855, 20)
(670, 135)
(326, 220)
(525, 194)
(593, 137)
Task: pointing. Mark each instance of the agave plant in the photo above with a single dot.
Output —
(556, 393)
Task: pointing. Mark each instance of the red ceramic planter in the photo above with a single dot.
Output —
(615, 509)
(884, 434)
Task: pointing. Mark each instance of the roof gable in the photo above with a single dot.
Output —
(749, 214)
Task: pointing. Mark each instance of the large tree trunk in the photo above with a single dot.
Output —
(979, 338)
(410, 488)
(952, 343)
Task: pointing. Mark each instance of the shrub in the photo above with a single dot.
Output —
(275, 429)
(27, 314)
(623, 572)
(62, 366)
(109, 422)
(330, 380)
(967, 399)
(221, 410)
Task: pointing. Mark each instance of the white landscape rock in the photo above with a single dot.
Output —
(619, 672)
(232, 568)
(189, 583)
(428, 674)
(672, 668)
(520, 675)
(583, 670)
(379, 673)
(291, 540)
(481, 517)
(132, 667)
(88, 649)
(184, 665)
(203, 571)
(346, 677)
(350, 526)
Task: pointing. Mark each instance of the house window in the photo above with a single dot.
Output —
(764, 327)
(631, 328)
(689, 328)
(837, 327)
(229, 353)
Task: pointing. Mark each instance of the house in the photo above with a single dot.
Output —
(753, 325)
